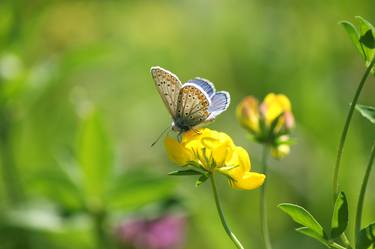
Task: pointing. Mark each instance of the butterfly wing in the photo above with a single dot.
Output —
(168, 86)
(206, 85)
(192, 106)
(219, 103)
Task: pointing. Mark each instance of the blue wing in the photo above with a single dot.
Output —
(206, 85)
(219, 103)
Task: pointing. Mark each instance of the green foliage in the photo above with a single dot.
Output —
(304, 218)
(339, 220)
(94, 157)
(135, 188)
(362, 37)
(186, 172)
(366, 237)
(311, 233)
(368, 39)
(50, 63)
(201, 179)
(367, 112)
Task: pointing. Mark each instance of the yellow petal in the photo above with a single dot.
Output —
(238, 163)
(247, 113)
(212, 139)
(192, 135)
(177, 152)
(273, 105)
(248, 181)
(220, 153)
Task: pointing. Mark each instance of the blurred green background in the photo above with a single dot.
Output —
(79, 111)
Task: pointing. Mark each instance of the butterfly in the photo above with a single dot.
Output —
(191, 104)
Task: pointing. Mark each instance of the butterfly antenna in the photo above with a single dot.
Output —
(157, 140)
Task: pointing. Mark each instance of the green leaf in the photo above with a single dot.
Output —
(366, 237)
(186, 172)
(339, 220)
(303, 217)
(94, 157)
(310, 233)
(364, 26)
(353, 33)
(367, 112)
(138, 187)
(201, 180)
(368, 39)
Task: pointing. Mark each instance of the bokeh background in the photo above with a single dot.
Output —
(79, 111)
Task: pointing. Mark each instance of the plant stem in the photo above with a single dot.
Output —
(8, 165)
(222, 218)
(343, 138)
(363, 192)
(346, 129)
(263, 203)
(98, 219)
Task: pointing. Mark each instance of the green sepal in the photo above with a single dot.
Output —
(366, 237)
(339, 220)
(367, 112)
(185, 172)
(201, 180)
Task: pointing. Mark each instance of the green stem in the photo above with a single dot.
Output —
(8, 166)
(99, 218)
(346, 129)
(363, 192)
(343, 138)
(222, 218)
(263, 203)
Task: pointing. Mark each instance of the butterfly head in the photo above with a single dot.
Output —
(178, 127)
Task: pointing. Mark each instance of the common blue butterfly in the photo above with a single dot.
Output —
(191, 104)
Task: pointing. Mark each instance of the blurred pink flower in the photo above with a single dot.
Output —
(165, 232)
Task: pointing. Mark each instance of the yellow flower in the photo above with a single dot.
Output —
(275, 105)
(248, 114)
(258, 119)
(212, 152)
(269, 122)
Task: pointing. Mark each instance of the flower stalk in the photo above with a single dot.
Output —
(362, 193)
(263, 203)
(346, 129)
(231, 235)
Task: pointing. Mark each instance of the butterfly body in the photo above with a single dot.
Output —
(191, 104)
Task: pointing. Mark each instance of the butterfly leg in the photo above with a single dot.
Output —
(196, 131)
(179, 137)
